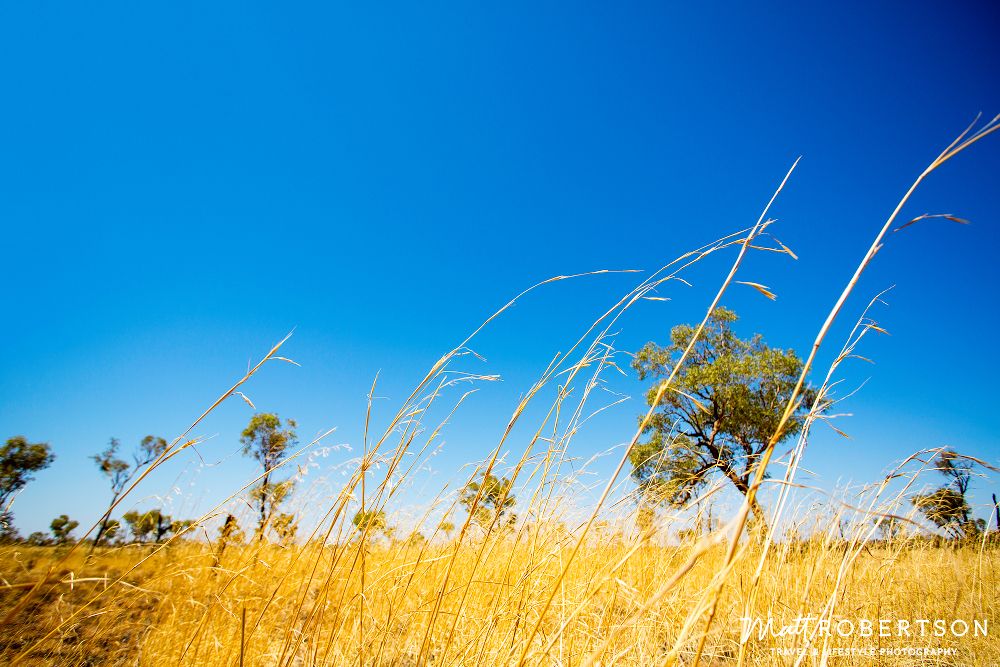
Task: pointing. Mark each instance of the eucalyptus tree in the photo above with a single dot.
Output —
(489, 500)
(19, 461)
(120, 472)
(947, 507)
(61, 527)
(268, 440)
(152, 525)
(370, 522)
(718, 414)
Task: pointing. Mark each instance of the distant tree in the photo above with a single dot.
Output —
(996, 510)
(120, 472)
(61, 527)
(489, 500)
(179, 526)
(151, 525)
(269, 496)
(956, 468)
(113, 530)
(164, 524)
(19, 460)
(229, 533)
(645, 518)
(38, 539)
(724, 405)
(230, 530)
(890, 527)
(370, 522)
(140, 524)
(415, 539)
(8, 532)
(285, 527)
(447, 527)
(267, 440)
(689, 535)
(947, 507)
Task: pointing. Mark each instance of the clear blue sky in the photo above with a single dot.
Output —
(182, 184)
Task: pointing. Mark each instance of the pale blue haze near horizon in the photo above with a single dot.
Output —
(182, 184)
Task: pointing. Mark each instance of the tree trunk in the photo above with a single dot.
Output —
(263, 507)
(102, 527)
(996, 508)
(743, 486)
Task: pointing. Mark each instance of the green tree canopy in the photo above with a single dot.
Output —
(38, 539)
(489, 500)
(120, 472)
(179, 526)
(947, 507)
(151, 525)
(285, 527)
(370, 521)
(61, 527)
(723, 406)
(140, 524)
(230, 531)
(19, 461)
(113, 530)
(112, 467)
(267, 440)
(956, 468)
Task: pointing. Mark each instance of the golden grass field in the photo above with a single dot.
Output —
(306, 606)
(553, 589)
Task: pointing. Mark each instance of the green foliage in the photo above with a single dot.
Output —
(179, 526)
(955, 468)
(112, 467)
(946, 507)
(285, 527)
(370, 521)
(19, 460)
(415, 539)
(148, 451)
(891, 528)
(38, 539)
(149, 525)
(140, 524)
(723, 406)
(267, 440)
(488, 500)
(230, 532)
(8, 533)
(112, 530)
(120, 472)
(668, 475)
(273, 493)
(645, 519)
(61, 527)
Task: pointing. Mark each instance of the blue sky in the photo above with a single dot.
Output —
(180, 186)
